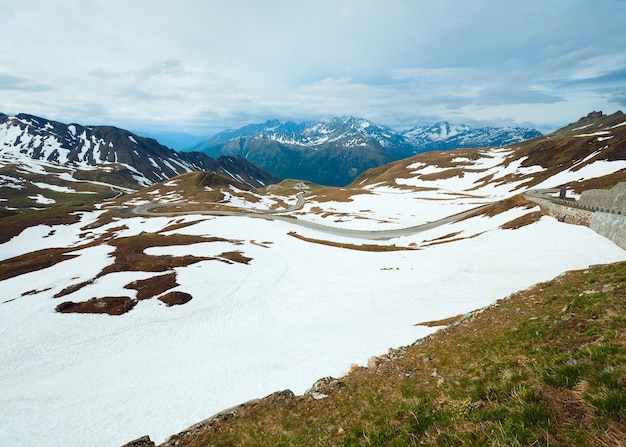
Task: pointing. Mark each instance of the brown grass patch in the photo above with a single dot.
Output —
(362, 247)
(448, 173)
(445, 236)
(604, 182)
(522, 221)
(177, 225)
(33, 261)
(129, 253)
(337, 194)
(35, 291)
(442, 322)
(151, 287)
(103, 219)
(235, 256)
(175, 298)
(72, 288)
(454, 239)
(112, 305)
(518, 201)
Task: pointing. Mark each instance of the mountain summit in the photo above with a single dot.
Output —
(336, 150)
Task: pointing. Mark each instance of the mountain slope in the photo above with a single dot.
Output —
(577, 157)
(40, 158)
(334, 151)
(195, 294)
(537, 368)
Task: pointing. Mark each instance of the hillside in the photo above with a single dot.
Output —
(570, 157)
(334, 151)
(544, 366)
(163, 306)
(44, 162)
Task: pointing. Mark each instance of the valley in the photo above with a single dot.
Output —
(146, 312)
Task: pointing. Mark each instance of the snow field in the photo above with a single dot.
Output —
(297, 312)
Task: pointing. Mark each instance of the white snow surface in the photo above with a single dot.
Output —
(53, 187)
(297, 312)
(41, 199)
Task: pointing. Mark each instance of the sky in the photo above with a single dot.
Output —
(204, 66)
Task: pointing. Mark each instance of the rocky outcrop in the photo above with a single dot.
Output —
(144, 441)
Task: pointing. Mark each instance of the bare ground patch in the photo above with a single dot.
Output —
(112, 305)
(33, 261)
(442, 322)
(175, 298)
(440, 241)
(522, 221)
(235, 256)
(337, 194)
(129, 253)
(151, 287)
(362, 247)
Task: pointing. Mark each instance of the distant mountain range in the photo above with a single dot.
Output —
(335, 151)
(139, 161)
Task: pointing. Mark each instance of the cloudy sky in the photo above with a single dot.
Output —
(201, 66)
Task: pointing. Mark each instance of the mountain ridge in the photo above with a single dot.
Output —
(36, 138)
(335, 150)
(87, 160)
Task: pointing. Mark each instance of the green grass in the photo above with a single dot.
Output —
(545, 366)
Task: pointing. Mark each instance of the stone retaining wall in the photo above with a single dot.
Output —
(612, 199)
(608, 223)
(562, 213)
(611, 226)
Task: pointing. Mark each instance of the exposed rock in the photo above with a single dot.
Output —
(144, 441)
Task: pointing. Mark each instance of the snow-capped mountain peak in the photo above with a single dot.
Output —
(333, 151)
(444, 135)
(91, 147)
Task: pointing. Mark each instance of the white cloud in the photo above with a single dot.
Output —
(214, 64)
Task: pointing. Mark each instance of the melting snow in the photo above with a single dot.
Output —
(252, 329)
(601, 132)
(101, 380)
(42, 200)
(618, 125)
(53, 187)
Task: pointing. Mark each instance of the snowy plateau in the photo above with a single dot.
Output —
(296, 311)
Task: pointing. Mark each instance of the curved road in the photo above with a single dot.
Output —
(144, 210)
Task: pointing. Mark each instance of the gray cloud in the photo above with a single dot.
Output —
(18, 83)
(218, 63)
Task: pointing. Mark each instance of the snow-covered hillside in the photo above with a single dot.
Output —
(275, 303)
(27, 138)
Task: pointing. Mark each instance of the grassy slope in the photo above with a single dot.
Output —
(546, 366)
(556, 152)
